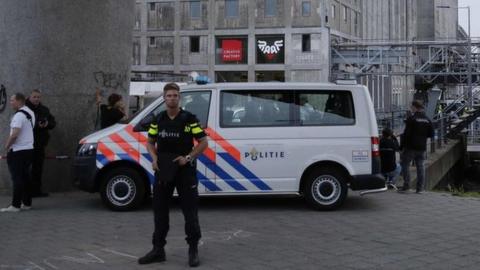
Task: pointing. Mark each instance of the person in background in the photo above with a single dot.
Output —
(388, 149)
(113, 112)
(44, 122)
(19, 147)
(418, 128)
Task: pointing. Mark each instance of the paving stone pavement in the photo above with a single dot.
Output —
(379, 231)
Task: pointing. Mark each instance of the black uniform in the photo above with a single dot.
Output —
(40, 141)
(417, 129)
(414, 145)
(175, 138)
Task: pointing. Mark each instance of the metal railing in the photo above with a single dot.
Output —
(395, 120)
(458, 102)
(473, 137)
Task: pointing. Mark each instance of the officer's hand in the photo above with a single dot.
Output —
(155, 165)
(181, 160)
(43, 124)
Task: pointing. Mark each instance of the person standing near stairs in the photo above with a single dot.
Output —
(418, 128)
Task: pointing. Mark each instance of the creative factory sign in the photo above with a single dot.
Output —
(232, 50)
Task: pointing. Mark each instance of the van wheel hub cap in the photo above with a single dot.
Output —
(121, 190)
(326, 189)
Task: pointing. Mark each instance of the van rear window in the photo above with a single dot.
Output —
(325, 108)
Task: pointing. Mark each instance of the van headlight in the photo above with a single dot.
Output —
(87, 149)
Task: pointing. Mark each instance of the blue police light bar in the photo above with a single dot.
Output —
(202, 80)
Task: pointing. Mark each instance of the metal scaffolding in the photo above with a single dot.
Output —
(449, 62)
(432, 61)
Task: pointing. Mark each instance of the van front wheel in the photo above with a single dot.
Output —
(122, 189)
(326, 189)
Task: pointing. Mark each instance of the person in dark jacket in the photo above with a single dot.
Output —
(414, 145)
(44, 122)
(388, 149)
(113, 112)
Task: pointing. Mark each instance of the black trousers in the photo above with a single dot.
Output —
(186, 184)
(37, 169)
(19, 163)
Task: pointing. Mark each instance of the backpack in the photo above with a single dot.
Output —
(29, 117)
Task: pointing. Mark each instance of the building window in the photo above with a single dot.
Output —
(162, 52)
(138, 16)
(270, 76)
(231, 76)
(270, 8)
(306, 43)
(306, 6)
(136, 51)
(344, 13)
(195, 10)
(231, 50)
(333, 12)
(152, 6)
(231, 8)
(194, 44)
(270, 50)
(355, 22)
(152, 42)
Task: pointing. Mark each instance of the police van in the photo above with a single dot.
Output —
(308, 139)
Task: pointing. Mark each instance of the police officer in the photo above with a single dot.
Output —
(414, 145)
(173, 160)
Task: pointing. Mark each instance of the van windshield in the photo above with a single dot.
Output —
(147, 102)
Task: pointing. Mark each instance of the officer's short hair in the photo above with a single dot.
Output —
(171, 86)
(38, 91)
(20, 97)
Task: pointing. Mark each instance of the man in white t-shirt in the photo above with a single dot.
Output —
(19, 147)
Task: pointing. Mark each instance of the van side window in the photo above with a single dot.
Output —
(256, 108)
(325, 108)
(197, 103)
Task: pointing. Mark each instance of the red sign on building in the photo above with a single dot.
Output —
(232, 50)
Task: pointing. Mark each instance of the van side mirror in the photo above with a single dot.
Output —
(144, 124)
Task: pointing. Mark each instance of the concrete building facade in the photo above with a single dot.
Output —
(65, 48)
(221, 38)
(240, 40)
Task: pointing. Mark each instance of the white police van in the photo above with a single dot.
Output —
(310, 139)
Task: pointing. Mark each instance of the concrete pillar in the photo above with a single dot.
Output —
(66, 48)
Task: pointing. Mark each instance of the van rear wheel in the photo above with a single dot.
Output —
(122, 189)
(326, 189)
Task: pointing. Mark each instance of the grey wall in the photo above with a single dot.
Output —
(437, 23)
(65, 48)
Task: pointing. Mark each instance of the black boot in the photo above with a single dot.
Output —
(155, 255)
(193, 259)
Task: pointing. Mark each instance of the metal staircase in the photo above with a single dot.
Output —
(458, 116)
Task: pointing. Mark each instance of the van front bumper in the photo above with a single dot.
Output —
(84, 172)
(368, 182)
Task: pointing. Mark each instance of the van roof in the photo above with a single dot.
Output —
(269, 86)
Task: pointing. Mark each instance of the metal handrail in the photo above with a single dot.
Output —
(473, 137)
(457, 101)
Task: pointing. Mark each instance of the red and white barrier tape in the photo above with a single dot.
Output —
(46, 157)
